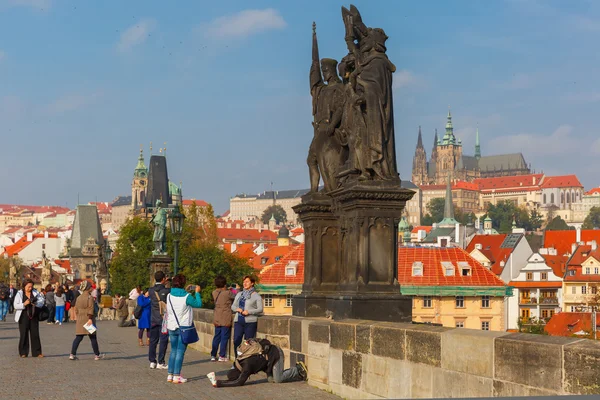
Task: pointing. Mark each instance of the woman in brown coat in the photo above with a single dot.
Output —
(84, 308)
(223, 299)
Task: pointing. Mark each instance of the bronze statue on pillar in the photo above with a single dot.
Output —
(351, 225)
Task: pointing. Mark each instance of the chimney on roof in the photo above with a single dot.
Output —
(534, 180)
(233, 247)
(573, 247)
(29, 236)
(594, 245)
(578, 230)
(457, 233)
(45, 234)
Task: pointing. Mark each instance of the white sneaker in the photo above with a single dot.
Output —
(162, 366)
(179, 379)
(223, 359)
(213, 359)
(170, 378)
(152, 365)
(212, 378)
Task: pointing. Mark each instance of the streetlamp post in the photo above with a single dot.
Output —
(176, 223)
(94, 266)
(107, 257)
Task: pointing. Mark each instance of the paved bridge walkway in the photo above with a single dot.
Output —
(123, 374)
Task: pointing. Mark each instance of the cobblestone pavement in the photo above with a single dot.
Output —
(123, 374)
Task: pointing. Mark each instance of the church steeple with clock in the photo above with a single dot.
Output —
(139, 184)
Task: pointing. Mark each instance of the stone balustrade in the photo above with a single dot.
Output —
(366, 359)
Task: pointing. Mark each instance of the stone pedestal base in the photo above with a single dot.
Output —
(374, 307)
(159, 263)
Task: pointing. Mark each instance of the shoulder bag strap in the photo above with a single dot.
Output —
(174, 313)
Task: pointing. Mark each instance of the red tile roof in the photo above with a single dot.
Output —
(63, 263)
(593, 191)
(416, 229)
(557, 263)
(22, 243)
(275, 274)
(247, 235)
(569, 323)
(199, 203)
(519, 182)
(245, 250)
(271, 255)
(455, 185)
(490, 247)
(561, 181)
(11, 208)
(433, 272)
(562, 240)
(582, 254)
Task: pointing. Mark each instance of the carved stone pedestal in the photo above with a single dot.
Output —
(159, 263)
(351, 253)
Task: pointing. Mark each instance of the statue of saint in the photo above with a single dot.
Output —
(371, 83)
(326, 153)
(159, 220)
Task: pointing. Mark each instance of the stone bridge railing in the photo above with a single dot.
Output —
(366, 359)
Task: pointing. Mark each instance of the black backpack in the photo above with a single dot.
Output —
(137, 312)
(4, 293)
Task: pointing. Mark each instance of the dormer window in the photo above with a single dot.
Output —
(264, 260)
(587, 270)
(291, 268)
(465, 268)
(572, 272)
(448, 268)
(417, 268)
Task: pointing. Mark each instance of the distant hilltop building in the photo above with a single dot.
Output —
(447, 158)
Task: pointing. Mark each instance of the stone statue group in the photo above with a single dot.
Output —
(353, 111)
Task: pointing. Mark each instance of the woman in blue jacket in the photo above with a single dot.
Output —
(144, 321)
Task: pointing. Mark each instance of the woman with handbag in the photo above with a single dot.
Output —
(28, 303)
(180, 324)
(84, 310)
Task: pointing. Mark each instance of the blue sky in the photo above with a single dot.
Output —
(225, 84)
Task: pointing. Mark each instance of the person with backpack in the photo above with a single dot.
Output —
(256, 356)
(247, 306)
(123, 313)
(50, 303)
(223, 299)
(158, 298)
(4, 301)
(143, 313)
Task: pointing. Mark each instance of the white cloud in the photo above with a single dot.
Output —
(560, 142)
(136, 34)
(246, 23)
(403, 78)
(69, 102)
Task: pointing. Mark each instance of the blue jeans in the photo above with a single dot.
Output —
(243, 330)
(177, 352)
(60, 313)
(3, 308)
(222, 335)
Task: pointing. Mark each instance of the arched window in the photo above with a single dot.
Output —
(562, 197)
(545, 198)
(568, 197)
(552, 198)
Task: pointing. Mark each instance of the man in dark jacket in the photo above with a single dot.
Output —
(13, 293)
(122, 313)
(270, 361)
(158, 294)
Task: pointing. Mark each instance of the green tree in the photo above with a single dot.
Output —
(276, 211)
(129, 266)
(535, 220)
(592, 220)
(502, 215)
(435, 209)
(558, 224)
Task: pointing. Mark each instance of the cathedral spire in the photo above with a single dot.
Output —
(448, 207)
(449, 135)
(477, 147)
(420, 139)
(435, 140)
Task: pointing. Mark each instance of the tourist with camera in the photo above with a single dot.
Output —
(180, 324)
(28, 303)
(247, 306)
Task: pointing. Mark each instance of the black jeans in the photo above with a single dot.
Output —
(29, 327)
(79, 338)
(52, 311)
(155, 338)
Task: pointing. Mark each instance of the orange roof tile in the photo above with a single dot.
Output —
(593, 191)
(249, 235)
(561, 181)
(433, 273)
(490, 247)
(557, 263)
(582, 254)
(569, 323)
(22, 243)
(275, 275)
(270, 256)
(509, 182)
(416, 229)
(199, 203)
(562, 240)
(455, 185)
(63, 263)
